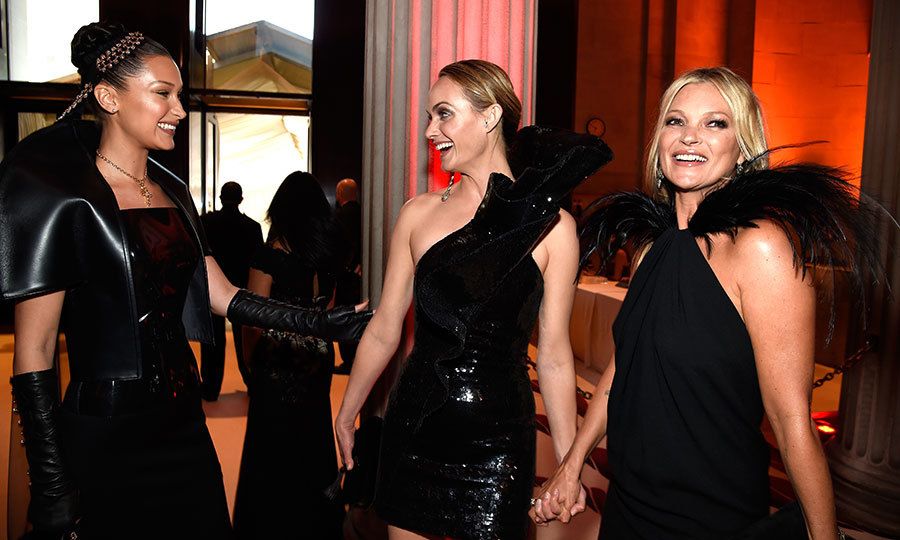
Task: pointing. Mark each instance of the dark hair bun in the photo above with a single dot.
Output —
(90, 42)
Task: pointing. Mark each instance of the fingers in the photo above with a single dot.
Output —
(362, 305)
(580, 503)
(553, 504)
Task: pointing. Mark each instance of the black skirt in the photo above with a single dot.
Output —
(154, 474)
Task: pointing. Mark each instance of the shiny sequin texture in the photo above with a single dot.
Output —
(458, 447)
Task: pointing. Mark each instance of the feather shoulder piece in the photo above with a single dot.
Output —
(621, 217)
(831, 224)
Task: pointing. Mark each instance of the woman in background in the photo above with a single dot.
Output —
(289, 455)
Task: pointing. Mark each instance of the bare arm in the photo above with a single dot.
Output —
(260, 283)
(221, 291)
(778, 306)
(560, 495)
(36, 331)
(382, 336)
(555, 363)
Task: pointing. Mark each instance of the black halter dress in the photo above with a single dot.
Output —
(458, 447)
(687, 457)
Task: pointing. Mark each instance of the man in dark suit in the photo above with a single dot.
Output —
(349, 282)
(233, 239)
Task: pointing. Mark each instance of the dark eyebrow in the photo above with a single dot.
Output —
(438, 104)
(167, 83)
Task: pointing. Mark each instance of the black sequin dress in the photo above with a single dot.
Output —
(289, 455)
(458, 446)
(139, 449)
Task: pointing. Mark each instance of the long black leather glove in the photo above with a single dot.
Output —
(339, 324)
(52, 510)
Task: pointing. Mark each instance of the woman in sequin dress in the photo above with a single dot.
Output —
(483, 259)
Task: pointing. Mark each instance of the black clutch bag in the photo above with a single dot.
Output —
(358, 486)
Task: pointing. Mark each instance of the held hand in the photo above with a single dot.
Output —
(561, 497)
(345, 431)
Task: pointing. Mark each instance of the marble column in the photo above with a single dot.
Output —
(865, 457)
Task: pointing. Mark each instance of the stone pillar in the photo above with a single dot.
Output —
(865, 457)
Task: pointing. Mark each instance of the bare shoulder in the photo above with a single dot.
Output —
(563, 231)
(764, 254)
(766, 243)
(415, 210)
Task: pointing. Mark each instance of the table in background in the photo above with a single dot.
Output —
(590, 328)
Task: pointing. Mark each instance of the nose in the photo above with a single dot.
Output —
(178, 109)
(432, 131)
(689, 135)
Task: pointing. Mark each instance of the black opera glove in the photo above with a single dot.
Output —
(52, 510)
(342, 323)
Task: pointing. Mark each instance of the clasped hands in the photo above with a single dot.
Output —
(561, 497)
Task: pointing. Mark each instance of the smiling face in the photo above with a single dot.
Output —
(698, 144)
(149, 109)
(455, 128)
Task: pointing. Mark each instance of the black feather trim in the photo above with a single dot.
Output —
(620, 217)
(830, 222)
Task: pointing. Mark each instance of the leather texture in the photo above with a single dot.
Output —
(340, 323)
(61, 229)
(53, 505)
(163, 257)
(458, 445)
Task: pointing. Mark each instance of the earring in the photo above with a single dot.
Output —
(739, 168)
(659, 178)
(446, 194)
(485, 123)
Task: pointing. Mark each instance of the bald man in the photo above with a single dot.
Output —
(349, 282)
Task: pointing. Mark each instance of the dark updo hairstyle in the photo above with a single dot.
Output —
(484, 84)
(94, 39)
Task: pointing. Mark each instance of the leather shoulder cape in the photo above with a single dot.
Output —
(60, 230)
(830, 222)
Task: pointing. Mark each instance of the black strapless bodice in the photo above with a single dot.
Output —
(163, 259)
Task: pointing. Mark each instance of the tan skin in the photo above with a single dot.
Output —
(130, 130)
(477, 151)
(775, 301)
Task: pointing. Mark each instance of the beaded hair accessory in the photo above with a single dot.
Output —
(105, 62)
(120, 50)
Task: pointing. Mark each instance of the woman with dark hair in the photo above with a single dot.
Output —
(289, 456)
(483, 258)
(105, 245)
(717, 329)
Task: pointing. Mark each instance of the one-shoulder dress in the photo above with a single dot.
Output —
(458, 446)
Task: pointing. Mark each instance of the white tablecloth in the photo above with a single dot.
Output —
(590, 328)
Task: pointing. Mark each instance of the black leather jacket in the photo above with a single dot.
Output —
(60, 229)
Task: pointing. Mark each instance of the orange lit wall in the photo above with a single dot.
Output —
(807, 60)
(609, 86)
(810, 70)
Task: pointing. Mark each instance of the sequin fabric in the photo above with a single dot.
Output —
(458, 447)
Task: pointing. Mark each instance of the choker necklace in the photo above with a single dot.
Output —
(141, 182)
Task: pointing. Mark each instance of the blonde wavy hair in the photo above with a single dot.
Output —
(745, 111)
